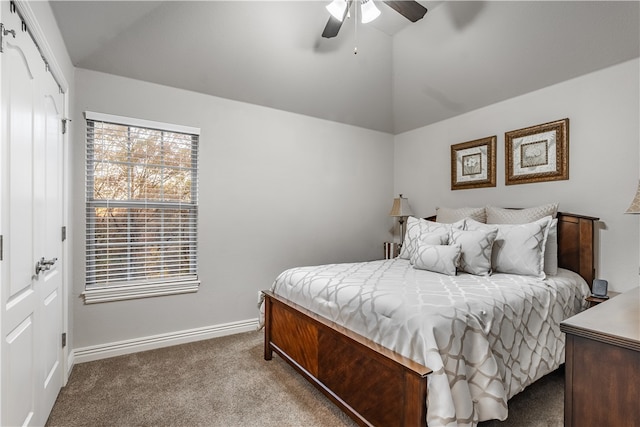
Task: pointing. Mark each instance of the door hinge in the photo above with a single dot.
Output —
(64, 339)
(64, 125)
(64, 233)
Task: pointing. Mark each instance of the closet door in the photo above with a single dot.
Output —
(30, 223)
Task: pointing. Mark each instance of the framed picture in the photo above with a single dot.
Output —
(473, 164)
(538, 153)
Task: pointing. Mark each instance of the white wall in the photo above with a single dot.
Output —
(277, 190)
(603, 108)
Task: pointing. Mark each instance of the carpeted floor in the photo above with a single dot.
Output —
(226, 382)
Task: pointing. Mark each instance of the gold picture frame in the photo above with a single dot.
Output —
(537, 153)
(473, 164)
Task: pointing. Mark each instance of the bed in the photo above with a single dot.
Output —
(383, 372)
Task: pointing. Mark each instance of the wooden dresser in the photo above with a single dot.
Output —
(602, 376)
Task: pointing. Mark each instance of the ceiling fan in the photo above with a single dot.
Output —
(410, 9)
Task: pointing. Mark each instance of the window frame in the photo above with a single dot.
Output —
(133, 289)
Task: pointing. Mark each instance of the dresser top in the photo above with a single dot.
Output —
(616, 321)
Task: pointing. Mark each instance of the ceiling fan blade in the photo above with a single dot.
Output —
(332, 28)
(412, 10)
(333, 25)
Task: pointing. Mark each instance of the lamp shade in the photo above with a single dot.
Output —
(400, 207)
(369, 11)
(635, 204)
(337, 9)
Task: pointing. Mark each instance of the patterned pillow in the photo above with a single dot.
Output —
(476, 246)
(519, 216)
(523, 216)
(449, 215)
(421, 230)
(437, 258)
(519, 248)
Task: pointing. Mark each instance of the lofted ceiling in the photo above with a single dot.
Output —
(461, 56)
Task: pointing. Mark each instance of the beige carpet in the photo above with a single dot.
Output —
(226, 382)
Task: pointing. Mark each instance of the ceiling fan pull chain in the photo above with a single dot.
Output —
(355, 23)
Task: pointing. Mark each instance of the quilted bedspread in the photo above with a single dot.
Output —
(485, 338)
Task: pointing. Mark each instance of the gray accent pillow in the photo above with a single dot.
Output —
(551, 249)
(451, 215)
(518, 248)
(519, 216)
(421, 230)
(437, 258)
(523, 216)
(477, 246)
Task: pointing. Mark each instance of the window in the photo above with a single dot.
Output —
(141, 208)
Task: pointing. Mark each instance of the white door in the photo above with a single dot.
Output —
(50, 306)
(30, 223)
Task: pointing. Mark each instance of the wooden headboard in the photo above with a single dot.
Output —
(575, 244)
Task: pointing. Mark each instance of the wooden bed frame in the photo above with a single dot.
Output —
(372, 384)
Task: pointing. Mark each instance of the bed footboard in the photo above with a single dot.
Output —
(373, 385)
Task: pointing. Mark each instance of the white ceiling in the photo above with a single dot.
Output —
(461, 56)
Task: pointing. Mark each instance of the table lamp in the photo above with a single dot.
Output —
(635, 204)
(401, 210)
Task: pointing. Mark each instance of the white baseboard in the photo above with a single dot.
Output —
(71, 360)
(103, 351)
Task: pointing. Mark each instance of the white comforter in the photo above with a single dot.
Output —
(485, 338)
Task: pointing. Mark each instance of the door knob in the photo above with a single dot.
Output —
(44, 264)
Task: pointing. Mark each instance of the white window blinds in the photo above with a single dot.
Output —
(141, 208)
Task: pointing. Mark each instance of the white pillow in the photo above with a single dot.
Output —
(476, 246)
(519, 216)
(438, 258)
(449, 215)
(523, 216)
(421, 230)
(519, 248)
(551, 249)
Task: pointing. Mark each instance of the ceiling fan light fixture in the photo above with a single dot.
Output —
(369, 11)
(336, 8)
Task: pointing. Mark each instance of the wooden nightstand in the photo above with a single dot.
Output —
(593, 300)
